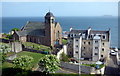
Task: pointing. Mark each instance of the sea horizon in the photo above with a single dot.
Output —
(82, 23)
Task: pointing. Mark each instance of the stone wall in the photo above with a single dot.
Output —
(12, 57)
(16, 46)
(64, 49)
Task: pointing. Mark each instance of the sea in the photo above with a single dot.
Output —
(81, 22)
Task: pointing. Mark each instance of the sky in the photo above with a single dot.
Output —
(37, 9)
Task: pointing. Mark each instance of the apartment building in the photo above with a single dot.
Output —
(89, 44)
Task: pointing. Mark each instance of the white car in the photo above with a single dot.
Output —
(116, 49)
(113, 53)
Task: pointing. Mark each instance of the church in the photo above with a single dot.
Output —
(47, 33)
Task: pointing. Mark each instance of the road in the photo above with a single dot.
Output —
(111, 66)
(61, 70)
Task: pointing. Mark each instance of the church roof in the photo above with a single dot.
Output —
(33, 29)
(49, 14)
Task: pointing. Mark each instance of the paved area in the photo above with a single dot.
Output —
(111, 66)
(61, 70)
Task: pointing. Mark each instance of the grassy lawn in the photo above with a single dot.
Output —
(10, 53)
(36, 46)
(36, 57)
(7, 65)
(64, 41)
(5, 38)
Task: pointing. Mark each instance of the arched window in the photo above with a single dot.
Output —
(58, 34)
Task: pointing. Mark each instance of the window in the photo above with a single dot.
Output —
(83, 35)
(96, 53)
(103, 36)
(71, 35)
(84, 42)
(76, 51)
(76, 46)
(96, 47)
(52, 20)
(88, 43)
(96, 41)
(84, 48)
(83, 54)
(102, 49)
(103, 44)
(101, 55)
(58, 34)
(76, 40)
(89, 48)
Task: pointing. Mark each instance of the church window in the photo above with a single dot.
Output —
(58, 34)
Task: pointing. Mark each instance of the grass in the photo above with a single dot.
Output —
(64, 41)
(10, 53)
(5, 38)
(36, 46)
(36, 57)
(7, 65)
(94, 65)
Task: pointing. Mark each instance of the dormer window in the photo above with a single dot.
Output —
(83, 35)
(103, 37)
(52, 20)
(71, 35)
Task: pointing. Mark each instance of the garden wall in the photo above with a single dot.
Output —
(64, 49)
(16, 46)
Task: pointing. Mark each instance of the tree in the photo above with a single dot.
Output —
(3, 58)
(49, 63)
(15, 29)
(23, 62)
(9, 36)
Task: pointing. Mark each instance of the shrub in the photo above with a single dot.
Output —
(15, 29)
(3, 58)
(64, 57)
(23, 62)
(49, 63)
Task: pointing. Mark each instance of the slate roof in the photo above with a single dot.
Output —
(49, 14)
(91, 32)
(33, 29)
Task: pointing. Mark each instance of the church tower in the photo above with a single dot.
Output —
(50, 28)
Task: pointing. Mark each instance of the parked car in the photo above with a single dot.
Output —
(74, 60)
(45, 52)
(113, 53)
(116, 49)
(118, 58)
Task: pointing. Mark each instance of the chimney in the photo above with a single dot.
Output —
(88, 32)
(70, 28)
(109, 34)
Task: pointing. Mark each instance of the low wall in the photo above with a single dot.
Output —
(12, 57)
(16, 46)
(64, 49)
(84, 69)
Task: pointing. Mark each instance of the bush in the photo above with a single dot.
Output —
(23, 62)
(64, 57)
(9, 36)
(49, 63)
(15, 29)
(3, 58)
